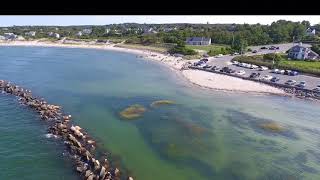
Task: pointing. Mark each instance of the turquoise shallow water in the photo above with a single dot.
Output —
(206, 135)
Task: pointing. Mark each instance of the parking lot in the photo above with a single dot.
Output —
(225, 61)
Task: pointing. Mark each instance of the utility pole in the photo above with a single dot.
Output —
(232, 38)
(292, 41)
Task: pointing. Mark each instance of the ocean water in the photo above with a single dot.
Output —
(206, 135)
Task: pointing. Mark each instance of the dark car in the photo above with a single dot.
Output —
(215, 68)
(254, 51)
(293, 73)
(204, 60)
(227, 70)
(272, 48)
(254, 75)
(263, 47)
(275, 79)
(287, 72)
(224, 69)
(302, 84)
(277, 47)
(207, 66)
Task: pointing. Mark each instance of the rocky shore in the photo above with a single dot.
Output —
(79, 145)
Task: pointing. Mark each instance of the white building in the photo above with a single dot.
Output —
(200, 41)
(53, 34)
(31, 33)
(301, 53)
(87, 31)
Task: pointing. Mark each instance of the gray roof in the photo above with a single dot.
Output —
(297, 48)
(198, 39)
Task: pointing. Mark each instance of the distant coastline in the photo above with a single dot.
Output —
(203, 79)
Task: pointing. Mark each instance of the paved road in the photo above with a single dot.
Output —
(311, 82)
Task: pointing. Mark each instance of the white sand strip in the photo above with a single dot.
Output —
(224, 82)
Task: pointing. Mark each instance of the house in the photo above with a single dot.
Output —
(86, 31)
(200, 41)
(79, 33)
(311, 32)
(31, 33)
(302, 53)
(53, 34)
(9, 36)
(149, 31)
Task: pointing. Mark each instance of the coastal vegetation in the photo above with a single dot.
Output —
(230, 37)
(282, 62)
(133, 111)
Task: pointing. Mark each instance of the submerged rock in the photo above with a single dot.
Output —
(133, 111)
(161, 102)
(272, 126)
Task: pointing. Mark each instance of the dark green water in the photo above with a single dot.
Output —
(206, 135)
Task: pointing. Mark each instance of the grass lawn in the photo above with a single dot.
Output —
(305, 66)
(213, 47)
(142, 47)
(310, 67)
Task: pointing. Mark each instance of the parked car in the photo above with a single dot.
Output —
(204, 60)
(275, 79)
(272, 48)
(254, 51)
(280, 72)
(241, 72)
(263, 68)
(317, 89)
(224, 69)
(275, 70)
(267, 78)
(290, 82)
(302, 84)
(215, 68)
(263, 47)
(287, 72)
(277, 47)
(206, 66)
(254, 66)
(254, 75)
(235, 53)
(293, 73)
(235, 62)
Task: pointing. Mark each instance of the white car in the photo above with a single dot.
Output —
(263, 68)
(241, 72)
(275, 70)
(254, 66)
(280, 72)
(235, 63)
(267, 77)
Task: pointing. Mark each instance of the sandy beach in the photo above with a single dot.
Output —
(224, 82)
(200, 78)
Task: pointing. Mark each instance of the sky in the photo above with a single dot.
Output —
(104, 20)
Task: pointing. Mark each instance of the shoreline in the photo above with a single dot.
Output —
(203, 79)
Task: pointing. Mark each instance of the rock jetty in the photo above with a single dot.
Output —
(78, 143)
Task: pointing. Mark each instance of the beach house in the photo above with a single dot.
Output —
(199, 41)
(10, 36)
(301, 53)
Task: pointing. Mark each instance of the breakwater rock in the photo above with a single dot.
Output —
(77, 141)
